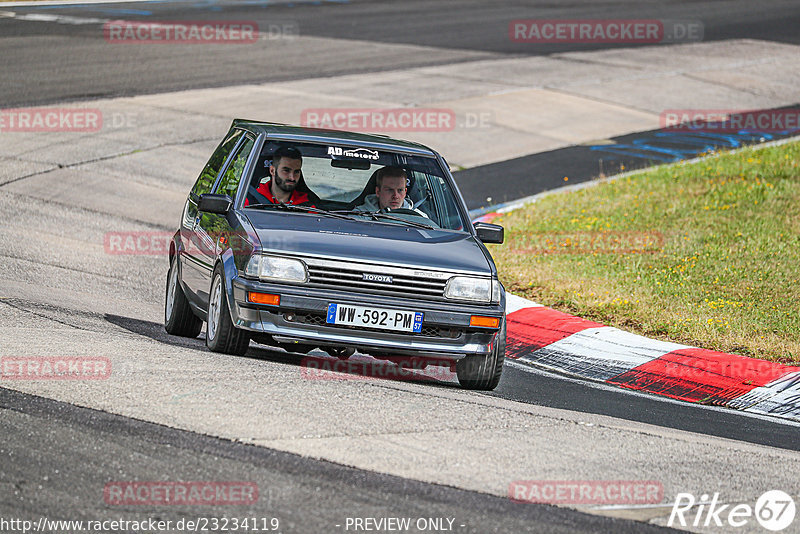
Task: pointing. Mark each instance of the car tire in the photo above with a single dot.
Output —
(221, 334)
(179, 319)
(483, 372)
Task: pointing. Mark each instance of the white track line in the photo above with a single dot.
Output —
(51, 17)
(72, 2)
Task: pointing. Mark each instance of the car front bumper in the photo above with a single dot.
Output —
(300, 317)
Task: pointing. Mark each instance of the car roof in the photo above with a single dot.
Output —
(298, 134)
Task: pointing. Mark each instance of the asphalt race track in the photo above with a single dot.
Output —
(320, 452)
(49, 62)
(304, 495)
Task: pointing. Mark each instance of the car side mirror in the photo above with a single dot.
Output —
(220, 204)
(489, 233)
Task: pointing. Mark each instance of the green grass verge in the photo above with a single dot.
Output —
(706, 254)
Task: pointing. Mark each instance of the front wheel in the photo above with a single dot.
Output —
(483, 372)
(179, 320)
(221, 335)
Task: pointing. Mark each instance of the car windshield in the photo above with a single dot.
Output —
(343, 179)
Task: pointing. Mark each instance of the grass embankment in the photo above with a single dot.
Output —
(706, 254)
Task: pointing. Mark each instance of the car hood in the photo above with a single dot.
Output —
(367, 241)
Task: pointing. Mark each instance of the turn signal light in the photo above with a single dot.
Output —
(486, 322)
(263, 298)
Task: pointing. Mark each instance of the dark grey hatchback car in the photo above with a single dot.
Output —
(331, 266)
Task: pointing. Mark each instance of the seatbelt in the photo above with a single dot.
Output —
(258, 196)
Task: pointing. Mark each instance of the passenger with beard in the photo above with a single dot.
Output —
(285, 173)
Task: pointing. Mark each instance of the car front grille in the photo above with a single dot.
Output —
(351, 276)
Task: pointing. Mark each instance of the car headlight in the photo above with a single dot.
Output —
(276, 268)
(469, 288)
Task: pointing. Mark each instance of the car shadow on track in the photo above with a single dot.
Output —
(314, 366)
(154, 331)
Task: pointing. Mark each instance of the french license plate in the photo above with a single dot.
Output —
(368, 317)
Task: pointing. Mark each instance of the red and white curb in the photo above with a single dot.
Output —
(556, 341)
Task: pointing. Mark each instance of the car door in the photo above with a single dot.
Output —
(192, 258)
(214, 230)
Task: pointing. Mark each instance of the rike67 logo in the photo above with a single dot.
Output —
(774, 510)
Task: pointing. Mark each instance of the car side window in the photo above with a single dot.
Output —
(206, 180)
(445, 202)
(233, 174)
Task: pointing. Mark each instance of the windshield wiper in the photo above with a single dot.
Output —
(304, 209)
(377, 215)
